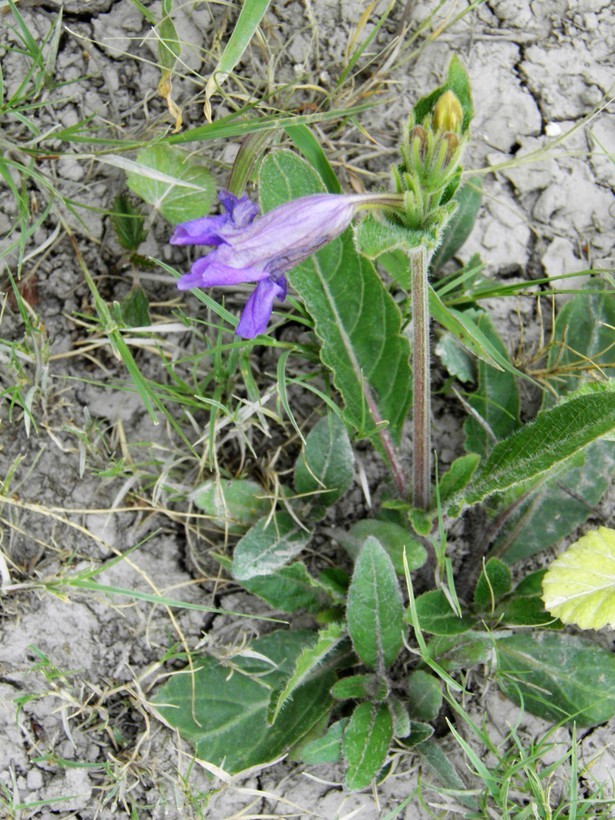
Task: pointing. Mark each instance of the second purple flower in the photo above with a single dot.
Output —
(247, 249)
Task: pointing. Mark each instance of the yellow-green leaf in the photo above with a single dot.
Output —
(579, 586)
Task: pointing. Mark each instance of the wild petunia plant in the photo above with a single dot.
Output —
(390, 645)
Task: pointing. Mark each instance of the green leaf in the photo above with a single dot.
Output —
(169, 45)
(558, 676)
(272, 542)
(538, 447)
(469, 335)
(366, 743)
(127, 220)
(583, 343)
(289, 589)
(458, 476)
(579, 586)
(306, 142)
(249, 17)
(233, 505)
(459, 228)
(324, 470)
(494, 582)
(461, 651)
(374, 688)
(307, 665)
(172, 182)
(326, 749)
(454, 358)
(553, 508)
(355, 318)
(224, 715)
(496, 401)
(374, 611)
(376, 238)
(391, 536)
(134, 308)
(424, 695)
(402, 725)
(436, 616)
(419, 733)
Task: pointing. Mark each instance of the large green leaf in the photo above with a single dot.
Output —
(496, 401)
(558, 676)
(366, 742)
(583, 343)
(174, 183)
(579, 586)
(324, 470)
(224, 715)
(550, 510)
(374, 611)
(553, 437)
(355, 318)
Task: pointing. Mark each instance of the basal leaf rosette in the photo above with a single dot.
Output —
(579, 586)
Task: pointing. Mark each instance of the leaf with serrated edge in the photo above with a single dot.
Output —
(579, 586)
(355, 318)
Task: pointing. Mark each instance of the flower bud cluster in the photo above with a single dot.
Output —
(428, 174)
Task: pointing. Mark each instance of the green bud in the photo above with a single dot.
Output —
(447, 113)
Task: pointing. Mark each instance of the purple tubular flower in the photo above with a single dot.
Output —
(262, 250)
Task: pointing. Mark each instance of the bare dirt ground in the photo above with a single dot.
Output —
(77, 666)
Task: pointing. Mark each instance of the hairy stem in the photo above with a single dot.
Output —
(421, 469)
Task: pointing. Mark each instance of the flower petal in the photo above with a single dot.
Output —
(257, 312)
(203, 231)
(241, 209)
(208, 272)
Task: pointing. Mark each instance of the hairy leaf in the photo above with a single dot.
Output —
(436, 616)
(552, 508)
(541, 446)
(324, 470)
(307, 665)
(272, 542)
(224, 716)
(558, 676)
(366, 743)
(374, 610)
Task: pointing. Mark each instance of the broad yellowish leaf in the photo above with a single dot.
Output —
(579, 586)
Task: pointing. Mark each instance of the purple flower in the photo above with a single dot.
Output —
(262, 250)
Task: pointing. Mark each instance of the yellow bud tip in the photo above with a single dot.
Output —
(447, 113)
